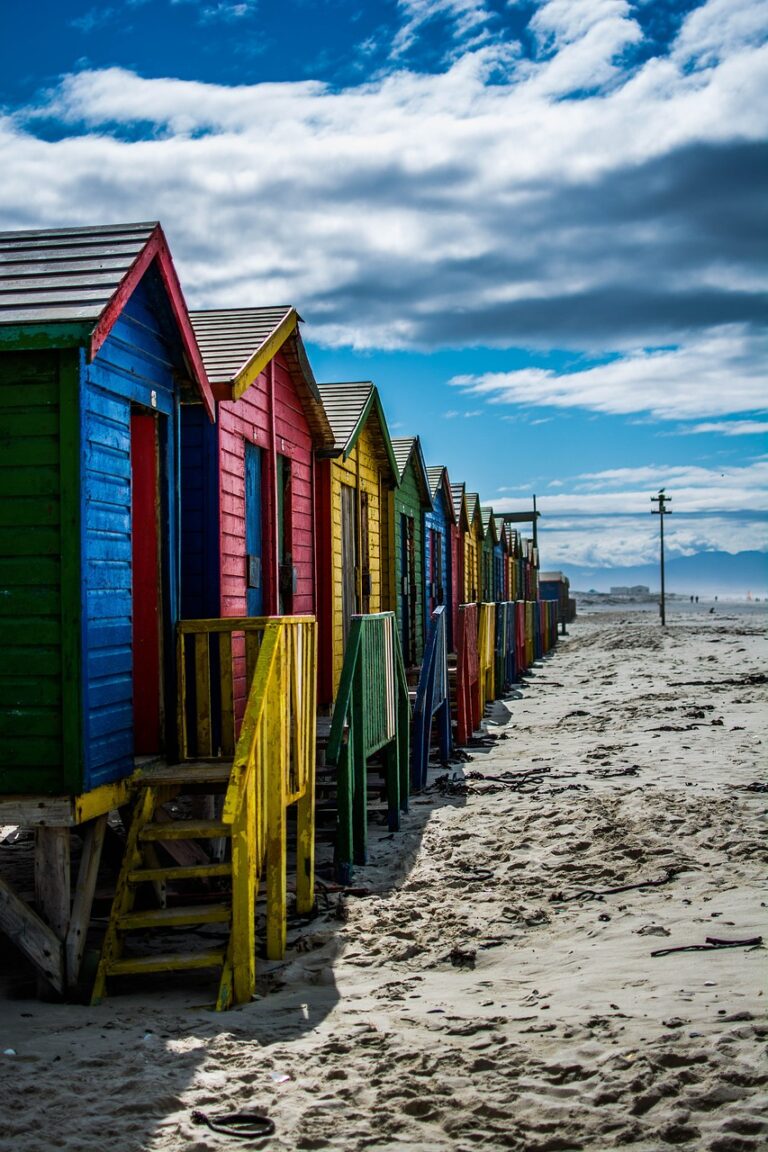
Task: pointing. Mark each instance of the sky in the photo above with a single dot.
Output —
(539, 226)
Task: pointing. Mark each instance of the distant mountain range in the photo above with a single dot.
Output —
(703, 574)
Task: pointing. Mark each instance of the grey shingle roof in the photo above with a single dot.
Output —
(346, 406)
(435, 477)
(237, 344)
(230, 338)
(457, 492)
(402, 446)
(405, 447)
(65, 274)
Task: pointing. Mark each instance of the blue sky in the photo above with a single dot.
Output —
(537, 225)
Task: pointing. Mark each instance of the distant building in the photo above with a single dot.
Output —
(636, 590)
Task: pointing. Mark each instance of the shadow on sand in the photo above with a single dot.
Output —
(137, 1064)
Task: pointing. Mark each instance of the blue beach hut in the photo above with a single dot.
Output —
(438, 567)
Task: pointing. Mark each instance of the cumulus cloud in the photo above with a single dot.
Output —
(467, 18)
(628, 491)
(722, 371)
(599, 541)
(549, 199)
(727, 428)
(598, 518)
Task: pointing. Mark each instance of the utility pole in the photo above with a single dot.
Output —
(661, 511)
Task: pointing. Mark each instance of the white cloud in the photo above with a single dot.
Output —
(728, 428)
(472, 207)
(584, 42)
(627, 491)
(612, 540)
(721, 372)
(467, 17)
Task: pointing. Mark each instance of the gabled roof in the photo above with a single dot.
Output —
(65, 287)
(473, 507)
(348, 406)
(553, 577)
(407, 448)
(238, 343)
(489, 524)
(438, 478)
(459, 494)
(501, 531)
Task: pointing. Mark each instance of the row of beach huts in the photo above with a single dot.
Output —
(229, 601)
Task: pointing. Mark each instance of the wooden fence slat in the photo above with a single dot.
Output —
(203, 694)
(227, 695)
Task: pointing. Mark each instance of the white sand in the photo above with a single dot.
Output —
(463, 1004)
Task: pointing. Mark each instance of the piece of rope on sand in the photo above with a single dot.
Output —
(243, 1125)
(712, 944)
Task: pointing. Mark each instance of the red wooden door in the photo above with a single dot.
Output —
(146, 583)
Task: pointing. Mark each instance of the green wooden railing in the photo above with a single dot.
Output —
(372, 714)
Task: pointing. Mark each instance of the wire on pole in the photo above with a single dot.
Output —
(662, 500)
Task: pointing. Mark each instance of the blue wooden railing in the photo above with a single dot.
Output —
(432, 701)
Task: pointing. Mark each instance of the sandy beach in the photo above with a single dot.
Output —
(497, 985)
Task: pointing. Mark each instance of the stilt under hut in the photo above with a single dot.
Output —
(439, 553)
(408, 504)
(97, 355)
(354, 482)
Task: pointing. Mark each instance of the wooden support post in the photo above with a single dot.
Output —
(359, 775)
(243, 946)
(32, 936)
(81, 909)
(305, 808)
(392, 768)
(53, 888)
(277, 769)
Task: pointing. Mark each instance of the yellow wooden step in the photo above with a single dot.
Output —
(175, 917)
(166, 962)
(186, 830)
(198, 772)
(178, 872)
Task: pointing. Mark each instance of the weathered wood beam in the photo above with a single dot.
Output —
(77, 931)
(53, 888)
(32, 936)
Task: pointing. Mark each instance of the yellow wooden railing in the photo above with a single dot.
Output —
(273, 762)
(530, 647)
(486, 653)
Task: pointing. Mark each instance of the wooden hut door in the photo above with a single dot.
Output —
(437, 562)
(348, 555)
(284, 547)
(408, 587)
(365, 555)
(146, 584)
(254, 568)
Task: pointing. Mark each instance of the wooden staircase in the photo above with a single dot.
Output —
(132, 931)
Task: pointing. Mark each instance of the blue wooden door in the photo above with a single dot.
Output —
(253, 543)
